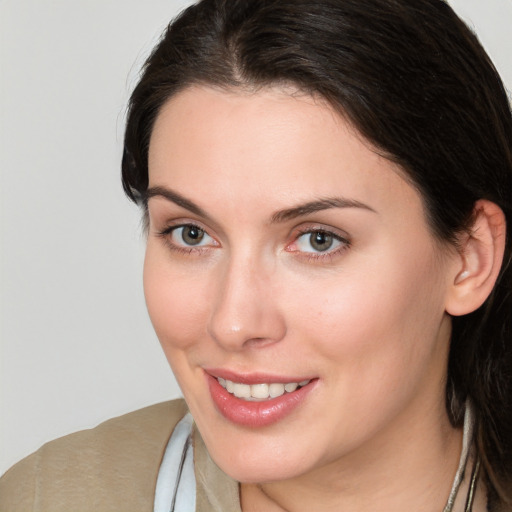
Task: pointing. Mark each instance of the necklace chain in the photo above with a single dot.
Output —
(449, 508)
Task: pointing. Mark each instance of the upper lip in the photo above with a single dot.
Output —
(254, 377)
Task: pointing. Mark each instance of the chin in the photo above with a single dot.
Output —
(259, 473)
(259, 457)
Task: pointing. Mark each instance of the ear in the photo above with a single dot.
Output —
(479, 260)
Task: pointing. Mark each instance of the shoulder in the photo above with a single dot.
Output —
(111, 467)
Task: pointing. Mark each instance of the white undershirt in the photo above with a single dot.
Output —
(176, 483)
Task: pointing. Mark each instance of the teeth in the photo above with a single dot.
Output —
(260, 391)
(242, 390)
(275, 390)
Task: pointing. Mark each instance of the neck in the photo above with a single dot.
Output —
(409, 467)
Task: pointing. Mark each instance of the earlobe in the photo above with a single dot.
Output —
(480, 257)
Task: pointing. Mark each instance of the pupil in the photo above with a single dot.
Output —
(192, 235)
(321, 241)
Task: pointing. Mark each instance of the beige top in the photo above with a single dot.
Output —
(112, 467)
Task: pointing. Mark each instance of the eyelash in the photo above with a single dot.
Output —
(326, 256)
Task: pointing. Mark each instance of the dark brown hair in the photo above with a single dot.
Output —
(417, 84)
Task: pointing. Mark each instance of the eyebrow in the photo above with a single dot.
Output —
(317, 206)
(300, 210)
(174, 197)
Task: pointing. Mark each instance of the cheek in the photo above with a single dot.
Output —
(176, 300)
(377, 337)
(379, 322)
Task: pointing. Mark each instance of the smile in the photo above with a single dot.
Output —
(257, 400)
(258, 392)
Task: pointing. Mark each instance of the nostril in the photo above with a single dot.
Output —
(256, 330)
(259, 342)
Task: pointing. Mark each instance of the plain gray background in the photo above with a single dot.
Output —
(76, 344)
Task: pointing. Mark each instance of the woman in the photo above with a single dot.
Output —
(326, 187)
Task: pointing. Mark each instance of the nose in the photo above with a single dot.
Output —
(245, 310)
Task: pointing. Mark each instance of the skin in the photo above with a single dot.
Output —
(367, 318)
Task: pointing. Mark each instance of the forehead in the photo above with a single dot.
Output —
(243, 118)
(273, 144)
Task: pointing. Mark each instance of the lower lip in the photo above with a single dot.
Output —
(255, 414)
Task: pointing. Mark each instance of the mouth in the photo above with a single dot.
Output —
(258, 400)
(262, 391)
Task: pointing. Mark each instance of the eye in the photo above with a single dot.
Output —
(189, 235)
(318, 241)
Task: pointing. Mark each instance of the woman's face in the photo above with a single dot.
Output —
(283, 250)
